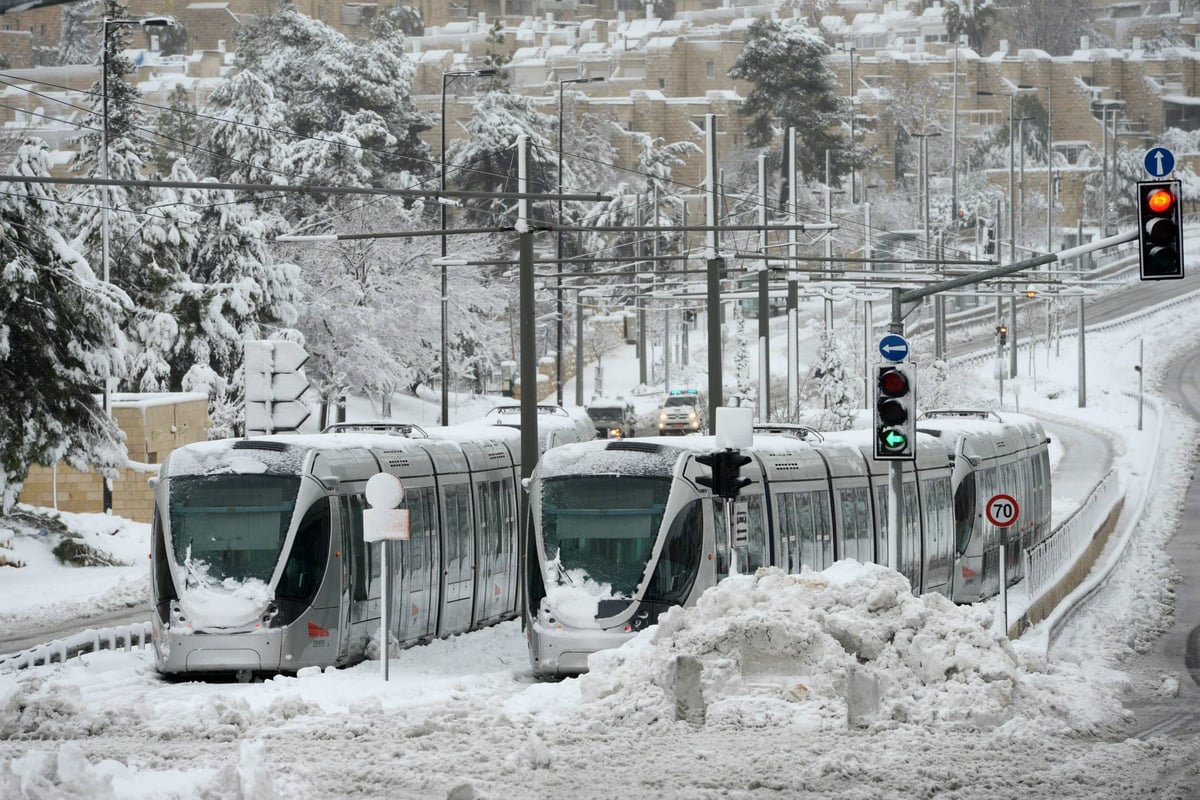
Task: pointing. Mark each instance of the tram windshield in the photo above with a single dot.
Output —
(234, 524)
(605, 525)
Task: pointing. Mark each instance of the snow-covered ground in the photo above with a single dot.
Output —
(744, 695)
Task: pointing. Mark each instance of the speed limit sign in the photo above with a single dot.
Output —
(1002, 510)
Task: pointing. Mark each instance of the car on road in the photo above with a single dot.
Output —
(613, 418)
(680, 413)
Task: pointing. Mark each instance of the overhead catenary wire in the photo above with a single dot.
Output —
(847, 223)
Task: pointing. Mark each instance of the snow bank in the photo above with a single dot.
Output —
(775, 650)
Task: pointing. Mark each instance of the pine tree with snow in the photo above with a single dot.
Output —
(372, 320)
(332, 86)
(486, 160)
(233, 288)
(794, 86)
(245, 137)
(744, 387)
(834, 382)
(60, 338)
(177, 128)
(79, 37)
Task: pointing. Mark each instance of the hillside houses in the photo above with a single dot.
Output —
(662, 76)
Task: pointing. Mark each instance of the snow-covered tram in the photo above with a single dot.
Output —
(622, 531)
(259, 561)
(993, 454)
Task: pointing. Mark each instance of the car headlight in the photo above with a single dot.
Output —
(691, 415)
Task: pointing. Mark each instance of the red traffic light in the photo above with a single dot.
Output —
(1160, 201)
(893, 383)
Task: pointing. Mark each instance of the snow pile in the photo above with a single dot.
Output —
(67, 773)
(209, 603)
(807, 652)
(574, 595)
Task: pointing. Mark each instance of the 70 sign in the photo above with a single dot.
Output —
(1002, 510)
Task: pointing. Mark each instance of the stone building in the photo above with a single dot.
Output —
(154, 425)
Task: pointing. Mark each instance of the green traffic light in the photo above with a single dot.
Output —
(894, 440)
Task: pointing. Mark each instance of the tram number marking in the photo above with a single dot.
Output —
(741, 523)
(1002, 510)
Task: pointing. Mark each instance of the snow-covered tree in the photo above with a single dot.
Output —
(79, 37)
(486, 160)
(743, 388)
(245, 137)
(786, 60)
(372, 315)
(657, 159)
(974, 19)
(232, 288)
(322, 79)
(178, 128)
(834, 370)
(60, 339)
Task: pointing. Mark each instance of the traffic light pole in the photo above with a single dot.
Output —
(901, 296)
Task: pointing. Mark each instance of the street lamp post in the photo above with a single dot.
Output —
(558, 347)
(105, 236)
(853, 112)
(446, 78)
(923, 177)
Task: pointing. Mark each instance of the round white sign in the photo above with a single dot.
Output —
(384, 490)
(1002, 510)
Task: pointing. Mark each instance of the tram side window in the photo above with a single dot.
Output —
(164, 586)
(823, 529)
(881, 517)
(305, 568)
(452, 550)
(937, 533)
(911, 552)
(806, 530)
(679, 561)
(489, 519)
(756, 524)
(856, 523)
(352, 520)
(785, 531)
(988, 482)
(508, 515)
(420, 531)
(964, 512)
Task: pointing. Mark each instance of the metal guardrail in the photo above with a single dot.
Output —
(89, 641)
(1047, 562)
(1101, 572)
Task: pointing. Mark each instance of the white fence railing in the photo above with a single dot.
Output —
(1047, 562)
(90, 641)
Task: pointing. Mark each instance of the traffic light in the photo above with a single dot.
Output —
(1160, 230)
(726, 467)
(895, 414)
(1002, 332)
(274, 385)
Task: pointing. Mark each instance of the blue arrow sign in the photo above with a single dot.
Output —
(1159, 162)
(893, 347)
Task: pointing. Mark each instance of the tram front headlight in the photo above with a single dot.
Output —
(177, 618)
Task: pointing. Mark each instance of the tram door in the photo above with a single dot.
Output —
(343, 549)
(496, 518)
(415, 599)
(458, 551)
(355, 570)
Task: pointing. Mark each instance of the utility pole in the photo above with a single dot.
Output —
(764, 300)
(793, 288)
(715, 263)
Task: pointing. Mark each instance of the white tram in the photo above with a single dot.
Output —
(621, 530)
(259, 562)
